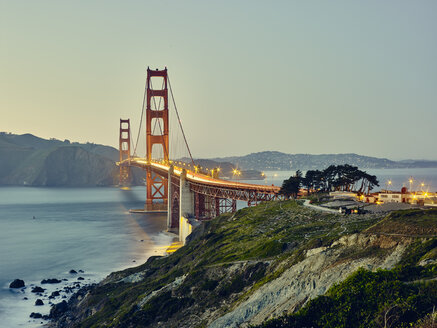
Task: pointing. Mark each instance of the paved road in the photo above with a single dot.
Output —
(319, 208)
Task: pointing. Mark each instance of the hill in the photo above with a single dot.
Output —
(274, 160)
(226, 169)
(31, 161)
(278, 264)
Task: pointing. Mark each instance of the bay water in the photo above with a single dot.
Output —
(46, 232)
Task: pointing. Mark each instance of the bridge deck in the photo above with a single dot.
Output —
(201, 178)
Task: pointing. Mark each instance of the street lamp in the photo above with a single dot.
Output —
(387, 185)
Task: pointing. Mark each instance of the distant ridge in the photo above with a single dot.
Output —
(28, 160)
(275, 160)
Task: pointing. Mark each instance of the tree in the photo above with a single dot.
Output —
(339, 177)
(291, 186)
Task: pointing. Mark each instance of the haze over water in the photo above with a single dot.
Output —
(86, 229)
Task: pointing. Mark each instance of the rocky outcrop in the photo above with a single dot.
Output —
(313, 276)
(51, 281)
(17, 283)
(39, 302)
(38, 289)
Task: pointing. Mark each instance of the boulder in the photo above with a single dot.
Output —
(39, 302)
(58, 309)
(36, 315)
(17, 283)
(81, 278)
(37, 289)
(73, 271)
(51, 281)
(55, 293)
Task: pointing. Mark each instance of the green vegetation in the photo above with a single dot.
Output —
(411, 222)
(385, 298)
(230, 257)
(366, 299)
(400, 297)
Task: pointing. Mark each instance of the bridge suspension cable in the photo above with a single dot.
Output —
(141, 120)
(179, 120)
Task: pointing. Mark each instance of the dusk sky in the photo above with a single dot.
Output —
(293, 76)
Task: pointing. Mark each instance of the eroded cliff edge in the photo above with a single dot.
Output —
(258, 264)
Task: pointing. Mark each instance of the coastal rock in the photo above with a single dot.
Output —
(17, 283)
(37, 289)
(55, 293)
(68, 289)
(51, 281)
(36, 315)
(39, 302)
(81, 278)
(58, 309)
(72, 271)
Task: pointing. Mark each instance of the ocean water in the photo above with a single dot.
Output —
(46, 232)
(399, 178)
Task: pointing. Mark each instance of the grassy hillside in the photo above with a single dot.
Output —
(231, 257)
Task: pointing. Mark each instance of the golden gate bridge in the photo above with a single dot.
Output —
(172, 186)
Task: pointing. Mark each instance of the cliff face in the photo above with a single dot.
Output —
(321, 268)
(260, 263)
(31, 161)
(73, 166)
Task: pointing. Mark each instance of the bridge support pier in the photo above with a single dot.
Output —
(186, 204)
(170, 197)
(186, 197)
(173, 213)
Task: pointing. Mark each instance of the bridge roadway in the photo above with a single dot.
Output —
(210, 186)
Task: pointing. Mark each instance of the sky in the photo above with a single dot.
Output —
(311, 77)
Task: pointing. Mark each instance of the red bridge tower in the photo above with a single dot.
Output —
(124, 178)
(157, 189)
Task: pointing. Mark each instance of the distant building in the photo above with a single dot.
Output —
(418, 197)
(422, 198)
(391, 197)
(372, 198)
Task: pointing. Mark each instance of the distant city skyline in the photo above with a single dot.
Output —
(248, 76)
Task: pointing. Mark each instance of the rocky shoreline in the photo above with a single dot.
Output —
(245, 268)
(50, 296)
